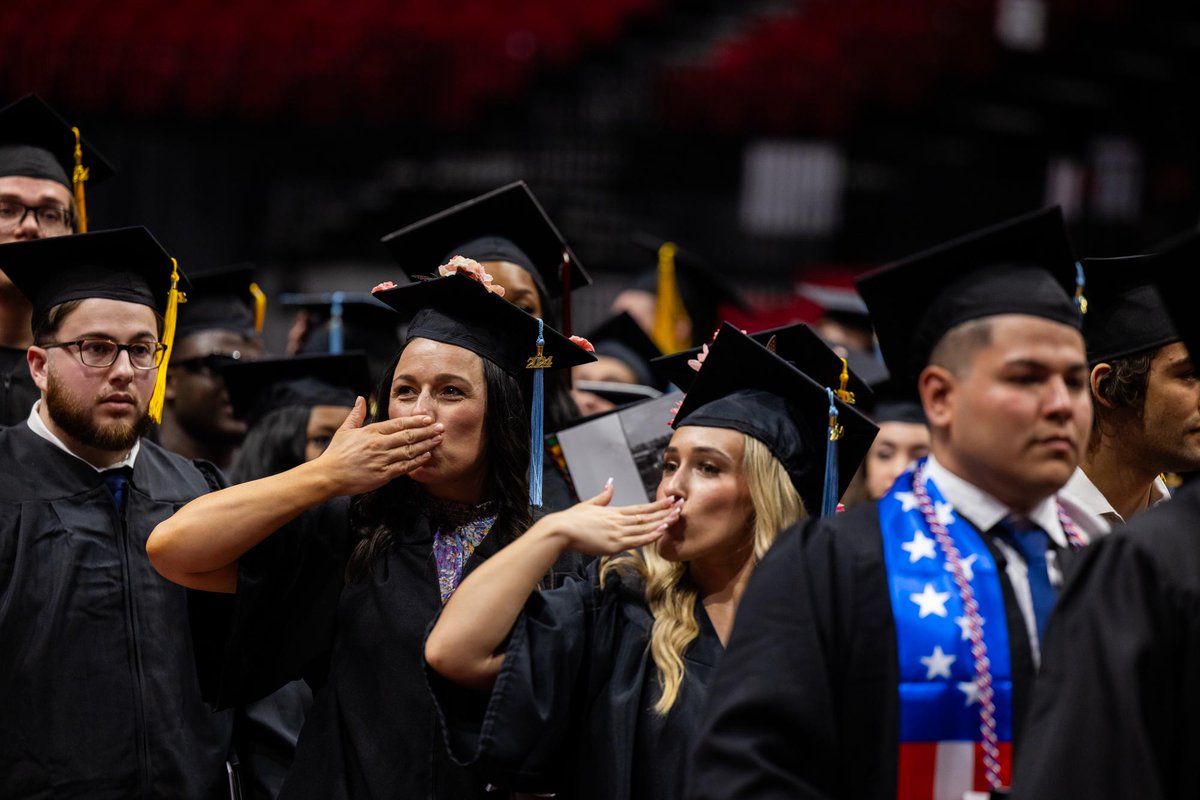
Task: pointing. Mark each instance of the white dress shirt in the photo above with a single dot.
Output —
(37, 426)
(1082, 495)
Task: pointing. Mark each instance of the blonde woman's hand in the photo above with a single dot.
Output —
(596, 528)
(361, 458)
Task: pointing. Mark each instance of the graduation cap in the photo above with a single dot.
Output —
(619, 394)
(819, 440)
(1176, 259)
(126, 264)
(35, 142)
(1125, 313)
(796, 343)
(506, 224)
(345, 321)
(685, 285)
(1023, 266)
(460, 311)
(892, 404)
(256, 388)
(620, 337)
(224, 299)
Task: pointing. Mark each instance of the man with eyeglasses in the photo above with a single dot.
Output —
(220, 324)
(100, 685)
(39, 186)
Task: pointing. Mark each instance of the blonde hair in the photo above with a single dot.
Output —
(670, 593)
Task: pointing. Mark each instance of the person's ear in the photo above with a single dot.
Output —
(938, 388)
(36, 356)
(1100, 374)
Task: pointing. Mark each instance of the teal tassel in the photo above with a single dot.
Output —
(829, 495)
(537, 447)
(336, 321)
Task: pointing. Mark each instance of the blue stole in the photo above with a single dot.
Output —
(938, 704)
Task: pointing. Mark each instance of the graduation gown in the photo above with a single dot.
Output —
(806, 703)
(1118, 698)
(372, 731)
(98, 675)
(18, 392)
(572, 708)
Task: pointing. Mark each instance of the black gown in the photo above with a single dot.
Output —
(1118, 699)
(18, 392)
(806, 702)
(98, 679)
(572, 708)
(372, 731)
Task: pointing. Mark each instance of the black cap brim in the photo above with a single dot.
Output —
(30, 123)
(1125, 315)
(218, 299)
(256, 388)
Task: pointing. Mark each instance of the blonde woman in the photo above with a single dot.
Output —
(594, 690)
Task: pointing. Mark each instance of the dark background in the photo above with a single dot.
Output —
(775, 138)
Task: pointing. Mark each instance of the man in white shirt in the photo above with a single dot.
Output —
(1145, 395)
(891, 650)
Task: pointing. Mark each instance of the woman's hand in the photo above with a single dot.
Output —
(361, 458)
(596, 528)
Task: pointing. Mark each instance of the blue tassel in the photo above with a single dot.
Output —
(829, 494)
(537, 447)
(336, 310)
(1080, 283)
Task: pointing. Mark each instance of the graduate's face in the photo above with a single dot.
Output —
(323, 422)
(1170, 418)
(1015, 417)
(32, 193)
(897, 445)
(519, 288)
(98, 407)
(704, 467)
(446, 383)
(196, 395)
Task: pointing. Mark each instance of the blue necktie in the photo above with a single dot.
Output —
(117, 481)
(1031, 542)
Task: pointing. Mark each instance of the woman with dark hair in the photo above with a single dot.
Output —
(595, 689)
(274, 445)
(341, 592)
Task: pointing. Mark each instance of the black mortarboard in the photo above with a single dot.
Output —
(35, 142)
(256, 388)
(745, 387)
(702, 288)
(506, 224)
(123, 264)
(892, 404)
(1174, 261)
(1125, 313)
(458, 310)
(620, 337)
(340, 322)
(619, 394)
(1023, 266)
(222, 299)
(796, 343)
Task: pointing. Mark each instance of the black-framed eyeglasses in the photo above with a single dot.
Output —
(50, 219)
(104, 352)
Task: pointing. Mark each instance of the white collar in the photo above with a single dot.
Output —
(37, 426)
(1083, 491)
(986, 511)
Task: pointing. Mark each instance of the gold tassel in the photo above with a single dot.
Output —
(79, 177)
(668, 311)
(260, 306)
(844, 394)
(174, 298)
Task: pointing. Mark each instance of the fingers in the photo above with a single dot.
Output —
(645, 510)
(398, 425)
(356, 416)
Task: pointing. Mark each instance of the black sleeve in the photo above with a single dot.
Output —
(286, 601)
(1109, 695)
(804, 701)
(518, 733)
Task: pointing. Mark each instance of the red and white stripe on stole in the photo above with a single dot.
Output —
(939, 770)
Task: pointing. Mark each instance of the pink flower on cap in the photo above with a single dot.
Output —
(584, 343)
(383, 287)
(473, 269)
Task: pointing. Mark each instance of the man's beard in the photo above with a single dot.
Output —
(75, 419)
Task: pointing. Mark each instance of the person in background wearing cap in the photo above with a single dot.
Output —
(1114, 714)
(341, 592)
(622, 370)
(903, 439)
(39, 187)
(100, 685)
(221, 322)
(890, 651)
(1145, 393)
(596, 688)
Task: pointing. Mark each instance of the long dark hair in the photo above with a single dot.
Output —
(274, 444)
(378, 517)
